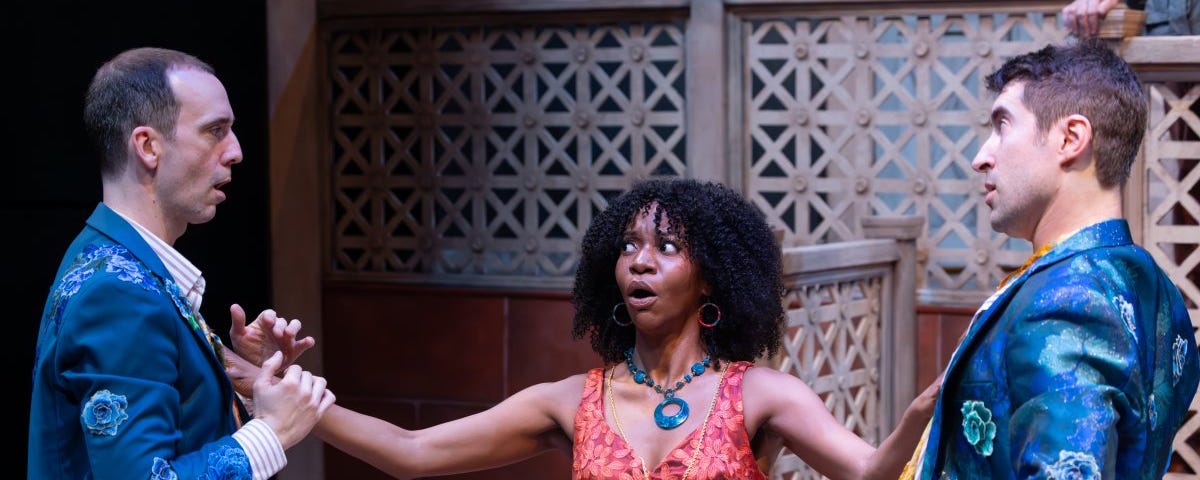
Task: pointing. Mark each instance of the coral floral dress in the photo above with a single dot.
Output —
(601, 453)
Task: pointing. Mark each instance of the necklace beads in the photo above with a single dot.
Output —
(661, 419)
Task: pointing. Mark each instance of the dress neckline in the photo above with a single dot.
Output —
(687, 440)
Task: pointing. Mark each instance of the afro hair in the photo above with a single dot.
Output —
(723, 234)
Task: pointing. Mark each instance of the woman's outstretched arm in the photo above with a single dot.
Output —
(786, 407)
(529, 422)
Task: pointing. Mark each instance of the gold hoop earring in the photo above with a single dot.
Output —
(714, 322)
(613, 316)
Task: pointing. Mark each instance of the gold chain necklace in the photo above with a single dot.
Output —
(703, 427)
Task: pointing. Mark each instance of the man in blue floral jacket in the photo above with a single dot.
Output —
(128, 381)
(1083, 363)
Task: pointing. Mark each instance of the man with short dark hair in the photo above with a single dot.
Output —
(1083, 364)
(128, 381)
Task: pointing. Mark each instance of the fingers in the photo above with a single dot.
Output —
(1091, 18)
(282, 328)
(267, 317)
(293, 328)
(1075, 17)
(237, 327)
(269, 367)
(327, 400)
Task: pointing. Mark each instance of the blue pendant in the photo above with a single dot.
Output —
(668, 422)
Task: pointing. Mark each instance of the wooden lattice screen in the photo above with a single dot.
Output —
(857, 115)
(481, 153)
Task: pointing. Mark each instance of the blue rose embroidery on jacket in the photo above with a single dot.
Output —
(978, 426)
(127, 270)
(1074, 466)
(1180, 357)
(228, 463)
(110, 257)
(104, 412)
(162, 470)
(71, 282)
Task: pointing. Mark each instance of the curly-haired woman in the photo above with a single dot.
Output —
(679, 289)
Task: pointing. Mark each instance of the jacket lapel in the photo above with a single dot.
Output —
(111, 225)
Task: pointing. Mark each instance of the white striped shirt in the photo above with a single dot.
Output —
(256, 437)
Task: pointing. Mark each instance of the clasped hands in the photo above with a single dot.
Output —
(291, 403)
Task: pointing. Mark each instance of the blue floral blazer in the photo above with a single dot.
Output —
(1083, 368)
(124, 383)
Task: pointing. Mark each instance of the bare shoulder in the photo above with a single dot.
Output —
(570, 386)
(559, 399)
(768, 393)
(761, 380)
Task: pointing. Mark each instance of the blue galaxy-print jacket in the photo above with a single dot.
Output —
(1082, 368)
(124, 383)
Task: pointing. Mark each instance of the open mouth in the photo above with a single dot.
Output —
(639, 294)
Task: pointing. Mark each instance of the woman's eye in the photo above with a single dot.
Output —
(628, 247)
(670, 247)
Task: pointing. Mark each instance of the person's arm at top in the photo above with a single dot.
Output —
(1083, 17)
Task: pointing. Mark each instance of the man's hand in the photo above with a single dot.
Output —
(266, 335)
(291, 406)
(1083, 17)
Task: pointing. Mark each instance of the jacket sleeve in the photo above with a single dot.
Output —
(120, 358)
(1070, 358)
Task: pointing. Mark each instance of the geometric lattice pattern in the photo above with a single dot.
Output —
(832, 342)
(482, 153)
(1170, 229)
(849, 116)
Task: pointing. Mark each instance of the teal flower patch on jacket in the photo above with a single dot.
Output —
(228, 463)
(162, 470)
(978, 426)
(104, 412)
(1074, 466)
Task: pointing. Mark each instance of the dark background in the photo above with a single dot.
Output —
(53, 179)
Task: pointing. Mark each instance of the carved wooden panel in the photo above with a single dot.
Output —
(855, 115)
(832, 342)
(478, 155)
(1171, 210)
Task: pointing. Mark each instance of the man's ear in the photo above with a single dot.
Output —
(147, 146)
(1077, 139)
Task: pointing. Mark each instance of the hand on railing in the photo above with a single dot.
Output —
(1102, 18)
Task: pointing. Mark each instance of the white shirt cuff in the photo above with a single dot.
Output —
(262, 446)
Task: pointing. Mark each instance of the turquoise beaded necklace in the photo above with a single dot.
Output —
(667, 422)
